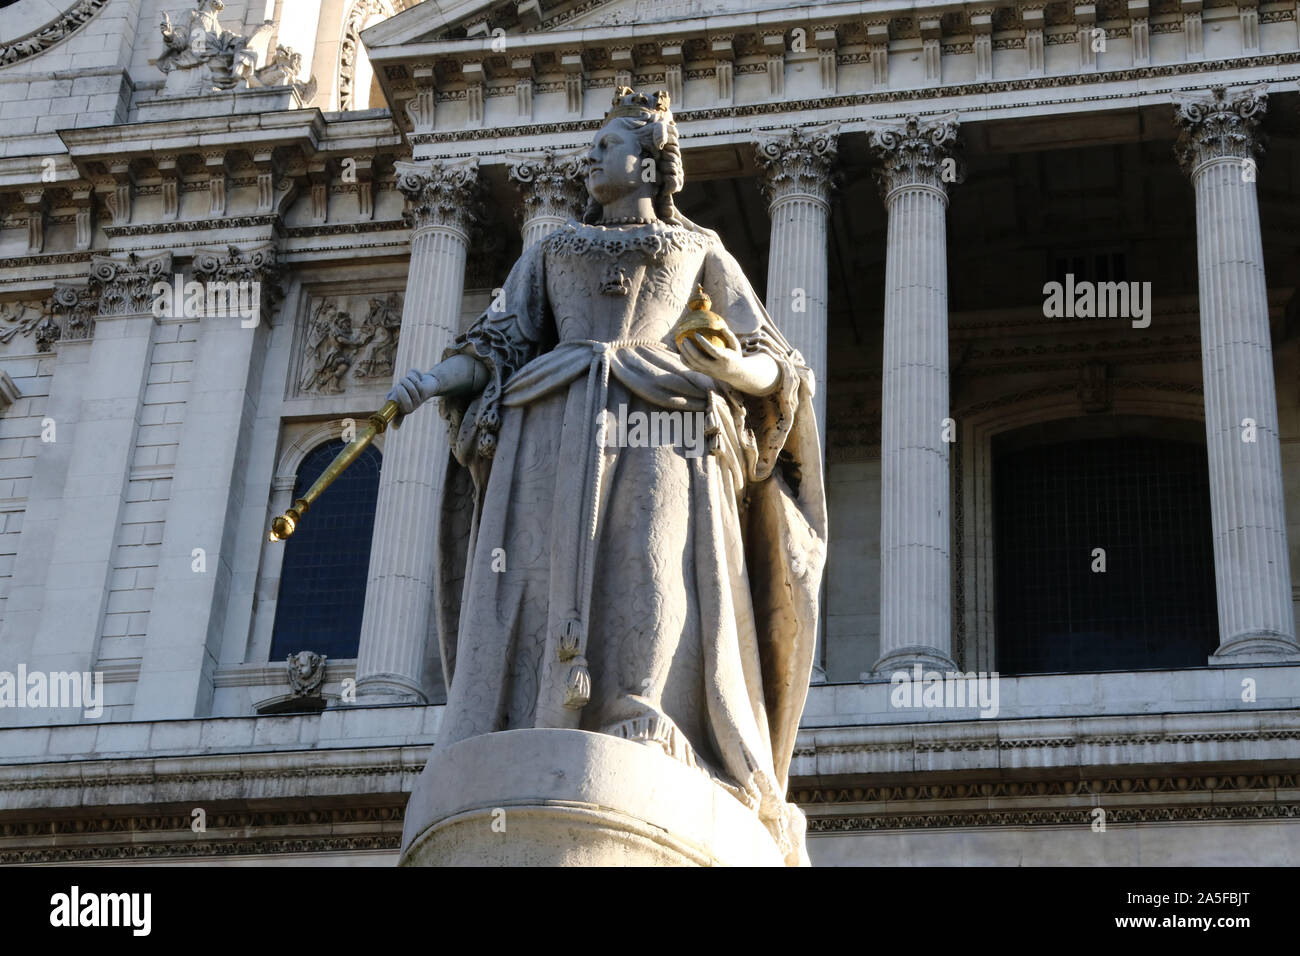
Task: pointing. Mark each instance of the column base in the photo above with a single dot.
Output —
(547, 797)
(389, 689)
(1263, 647)
(905, 658)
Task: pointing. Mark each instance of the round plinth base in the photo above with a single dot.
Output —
(573, 798)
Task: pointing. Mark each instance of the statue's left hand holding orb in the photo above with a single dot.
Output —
(753, 374)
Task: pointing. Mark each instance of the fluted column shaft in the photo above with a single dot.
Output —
(916, 604)
(397, 621)
(1248, 506)
(553, 187)
(797, 177)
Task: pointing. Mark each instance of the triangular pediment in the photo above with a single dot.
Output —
(430, 20)
(627, 12)
(449, 20)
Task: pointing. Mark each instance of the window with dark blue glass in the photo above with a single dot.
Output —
(323, 579)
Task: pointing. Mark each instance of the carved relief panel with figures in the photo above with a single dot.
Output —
(346, 341)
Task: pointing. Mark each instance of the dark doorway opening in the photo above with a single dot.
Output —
(1144, 501)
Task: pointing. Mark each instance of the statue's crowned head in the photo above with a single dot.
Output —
(636, 152)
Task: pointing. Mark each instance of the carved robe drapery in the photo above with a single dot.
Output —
(652, 592)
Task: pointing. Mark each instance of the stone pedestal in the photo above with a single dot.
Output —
(548, 797)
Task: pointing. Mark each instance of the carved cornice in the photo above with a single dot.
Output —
(195, 225)
(800, 162)
(203, 848)
(1079, 816)
(1066, 787)
(441, 194)
(916, 153)
(551, 183)
(346, 228)
(204, 778)
(48, 258)
(217, 819)
(1219, 126)
(167, 832)
(995, 743)
(894, 97)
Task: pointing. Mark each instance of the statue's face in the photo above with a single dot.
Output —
(615, 169)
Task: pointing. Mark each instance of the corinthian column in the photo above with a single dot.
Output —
(397, 622)
(797, 167)
(1216, 148)
(553, 188)
(917, 161)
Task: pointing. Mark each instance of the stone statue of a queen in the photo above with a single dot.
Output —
(593, 575)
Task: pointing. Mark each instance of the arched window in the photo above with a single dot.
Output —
(323, 577)
(1135, 505)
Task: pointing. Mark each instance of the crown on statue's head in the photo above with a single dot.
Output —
(628, 102)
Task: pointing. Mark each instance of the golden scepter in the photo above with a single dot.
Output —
(284, 525)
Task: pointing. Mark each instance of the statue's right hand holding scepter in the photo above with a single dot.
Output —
(457, 375)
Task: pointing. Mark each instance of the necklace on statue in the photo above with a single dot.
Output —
(627, 221)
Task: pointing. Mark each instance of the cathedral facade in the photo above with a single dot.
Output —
(1041, 257)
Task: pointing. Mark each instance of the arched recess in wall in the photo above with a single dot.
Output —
(358, 88)
(322, 577)
(974, 518)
